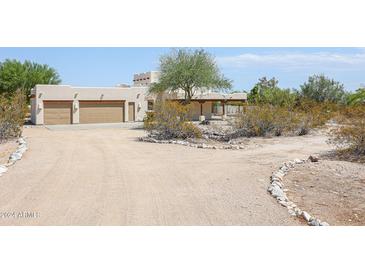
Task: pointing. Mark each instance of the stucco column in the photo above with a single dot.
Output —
(39, 112)
(126, 116)
(75, 112)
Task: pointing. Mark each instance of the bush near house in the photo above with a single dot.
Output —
(171, 120)
(12, 114)
(268, 120)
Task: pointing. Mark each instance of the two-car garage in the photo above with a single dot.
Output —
(64, 104)
(60, 112)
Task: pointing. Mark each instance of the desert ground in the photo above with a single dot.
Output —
(6, 149)
(105, 176)
(332, 189)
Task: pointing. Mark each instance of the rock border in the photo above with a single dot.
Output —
(15, 156)
(186, 143)
(277, 190)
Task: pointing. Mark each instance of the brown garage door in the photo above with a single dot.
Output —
(57, 112)
(101, 112)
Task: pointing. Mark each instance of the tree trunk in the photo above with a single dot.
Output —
(187, 97)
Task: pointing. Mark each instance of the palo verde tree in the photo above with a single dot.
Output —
(15, 75)
(189, 71)
(320, 88)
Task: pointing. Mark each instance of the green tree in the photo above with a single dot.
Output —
(357, 98)
(267, 91)
(323, 89)
(15, 75)
(189, 71)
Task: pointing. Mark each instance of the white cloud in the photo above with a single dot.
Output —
(296, 60)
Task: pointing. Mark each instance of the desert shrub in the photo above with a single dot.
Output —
(171, 120)
(357, 98)
(268, 120)
(149, 120)
(317, 114)
(12, 114)
(349, 135)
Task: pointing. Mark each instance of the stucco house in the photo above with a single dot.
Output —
(65, 104)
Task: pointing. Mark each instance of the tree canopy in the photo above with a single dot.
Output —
(323, 89)
(189, 71)
(15, 75)
(267, 91)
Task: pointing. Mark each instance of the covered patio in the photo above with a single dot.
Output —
(216, 105)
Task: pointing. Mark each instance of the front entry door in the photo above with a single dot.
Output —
(131, 112)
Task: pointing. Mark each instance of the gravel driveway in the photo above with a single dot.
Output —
(104, 176)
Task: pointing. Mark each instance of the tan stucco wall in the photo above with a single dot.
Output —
(76, 94)
(138, 95)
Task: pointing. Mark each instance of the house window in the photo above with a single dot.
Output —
(150, 105)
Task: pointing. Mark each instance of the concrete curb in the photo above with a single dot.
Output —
(15, 156)
(186, 143)
(277, 190)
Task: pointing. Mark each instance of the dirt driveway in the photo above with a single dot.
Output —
(106, 177)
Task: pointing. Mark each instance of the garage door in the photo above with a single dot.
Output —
(101, 112)
(57, 112)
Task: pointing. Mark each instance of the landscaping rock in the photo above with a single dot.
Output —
(15, 156)
(282, 198)
(313, 158)
(277, 182)
(298, 161)
(3, 169)
(21, 141)
(297, 211)
(314, 222)
(277, 192)
(283, 203)
(306, 216)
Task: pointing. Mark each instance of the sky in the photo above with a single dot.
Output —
(107, 67)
